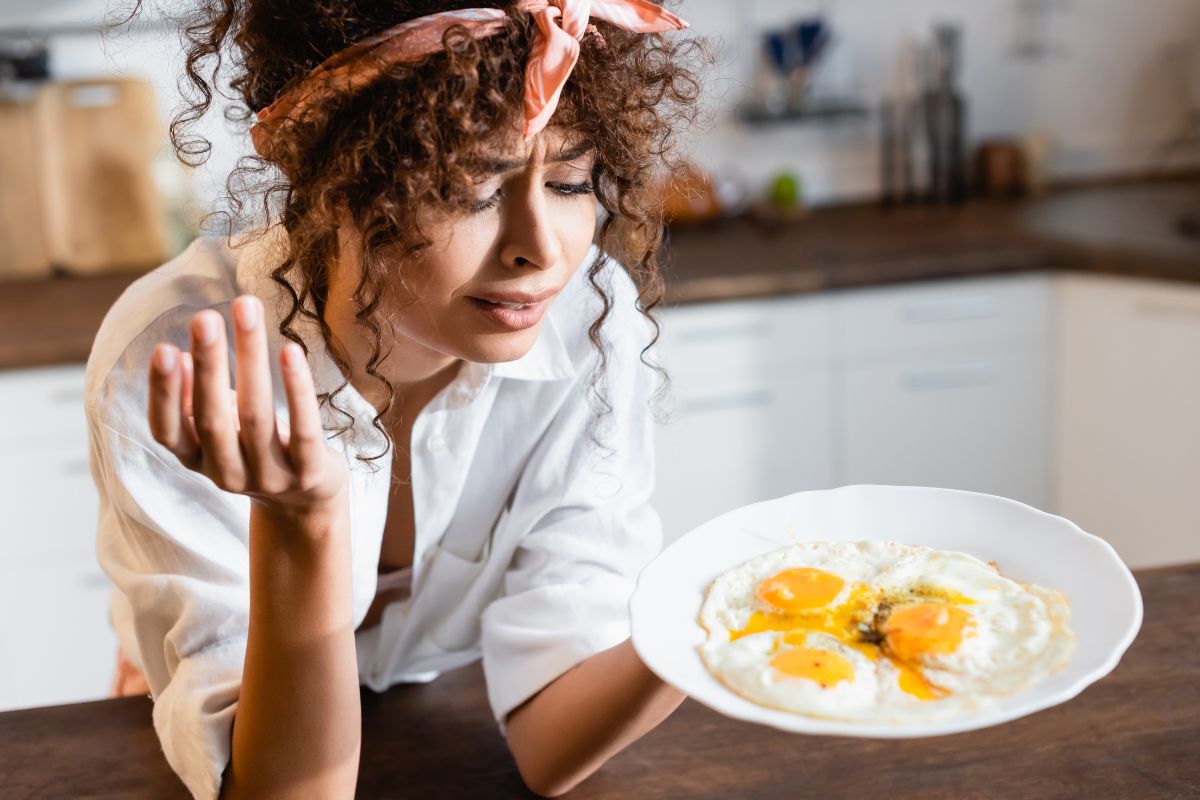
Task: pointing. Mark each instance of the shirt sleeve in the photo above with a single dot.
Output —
(176, 550)
(589, 527)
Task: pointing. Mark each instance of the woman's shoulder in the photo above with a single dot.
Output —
(156, 307)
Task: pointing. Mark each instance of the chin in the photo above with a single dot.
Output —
(497, 348)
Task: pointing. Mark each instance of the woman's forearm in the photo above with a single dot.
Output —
(585, 717)
(297, 729)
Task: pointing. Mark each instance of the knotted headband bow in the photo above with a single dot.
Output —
(561, 24)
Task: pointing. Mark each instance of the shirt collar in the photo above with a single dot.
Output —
(259, 253)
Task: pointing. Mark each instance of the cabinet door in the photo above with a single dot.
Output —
(56, 644)
(50, 504)
(1128, 440)
(749, 406)
(947, 317)
(46, 487)
(37, 405)
(733, 444)
(745, 341)
(979, 422)
(60, 646)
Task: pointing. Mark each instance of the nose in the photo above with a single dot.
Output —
(530, 240)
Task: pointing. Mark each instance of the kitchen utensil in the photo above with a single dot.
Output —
(1000, 169)
(24, 253)
(99, 138)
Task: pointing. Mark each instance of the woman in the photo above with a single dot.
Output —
(439, 447)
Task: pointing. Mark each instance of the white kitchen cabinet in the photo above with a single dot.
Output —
(60, 645)
(944, 383)
(56, 645)
(890, 323)
(749, 406)
(39, 404)
(980, 423)
(736, 444)
(49, 502)
(947, 384)
(1127, 454)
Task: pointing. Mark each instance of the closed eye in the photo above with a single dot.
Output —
(562, 189)
(571, 189)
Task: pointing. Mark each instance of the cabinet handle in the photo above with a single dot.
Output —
(72, 396)
(76, 466)
(757, 329)
(94, 580)
(722, 402)
(951, 309)
(949, 377)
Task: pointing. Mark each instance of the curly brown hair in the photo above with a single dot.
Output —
(407, 141)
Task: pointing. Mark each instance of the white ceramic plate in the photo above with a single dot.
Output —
(1027, 544)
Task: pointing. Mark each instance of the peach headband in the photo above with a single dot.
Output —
(561, 25)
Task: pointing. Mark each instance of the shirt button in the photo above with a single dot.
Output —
(437, 444)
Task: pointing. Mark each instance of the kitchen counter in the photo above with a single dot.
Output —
(1121, 230)
(1133, 734)
(54, 321)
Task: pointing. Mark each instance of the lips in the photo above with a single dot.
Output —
(513, 311)
(516, 299)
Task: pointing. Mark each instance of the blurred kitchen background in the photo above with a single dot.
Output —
(921, 242)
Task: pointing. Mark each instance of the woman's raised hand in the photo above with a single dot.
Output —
(236, 439)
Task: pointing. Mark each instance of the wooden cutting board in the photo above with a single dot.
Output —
(102, 210)
(24, 251)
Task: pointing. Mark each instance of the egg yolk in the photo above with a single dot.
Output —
(798, 589)
(837, 621)
(797, 602)
(914, 683)
(799, 636)
(914, 630)
(822, 666)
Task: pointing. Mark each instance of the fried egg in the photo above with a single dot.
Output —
(879, 631)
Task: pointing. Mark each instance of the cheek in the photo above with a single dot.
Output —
(447, 265)
(583, 227)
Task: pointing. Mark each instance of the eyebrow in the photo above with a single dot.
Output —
(494, 166)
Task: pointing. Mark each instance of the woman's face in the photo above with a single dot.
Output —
(482, 289)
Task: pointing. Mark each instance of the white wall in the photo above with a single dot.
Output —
(1114, 89)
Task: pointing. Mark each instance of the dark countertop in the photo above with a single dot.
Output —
(1118, 230)
(1121, 229)
(54, 321)
(1132, 734)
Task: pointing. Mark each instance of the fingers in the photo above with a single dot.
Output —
(236, 438)
(188, 370)
(168, 425)
(306, 440)
(255, 404)
(215, 425)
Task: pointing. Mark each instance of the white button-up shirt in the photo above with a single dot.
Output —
(528, 536)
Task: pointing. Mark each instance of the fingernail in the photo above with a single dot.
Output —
(293, 356)
(208, 328)
(164, 358)
(245, 313)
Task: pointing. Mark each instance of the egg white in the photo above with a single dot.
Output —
(1014, 639)
(730, 599)
(744, 666)
(1019, 633)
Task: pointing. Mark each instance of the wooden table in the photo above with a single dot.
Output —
(1135, 734)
